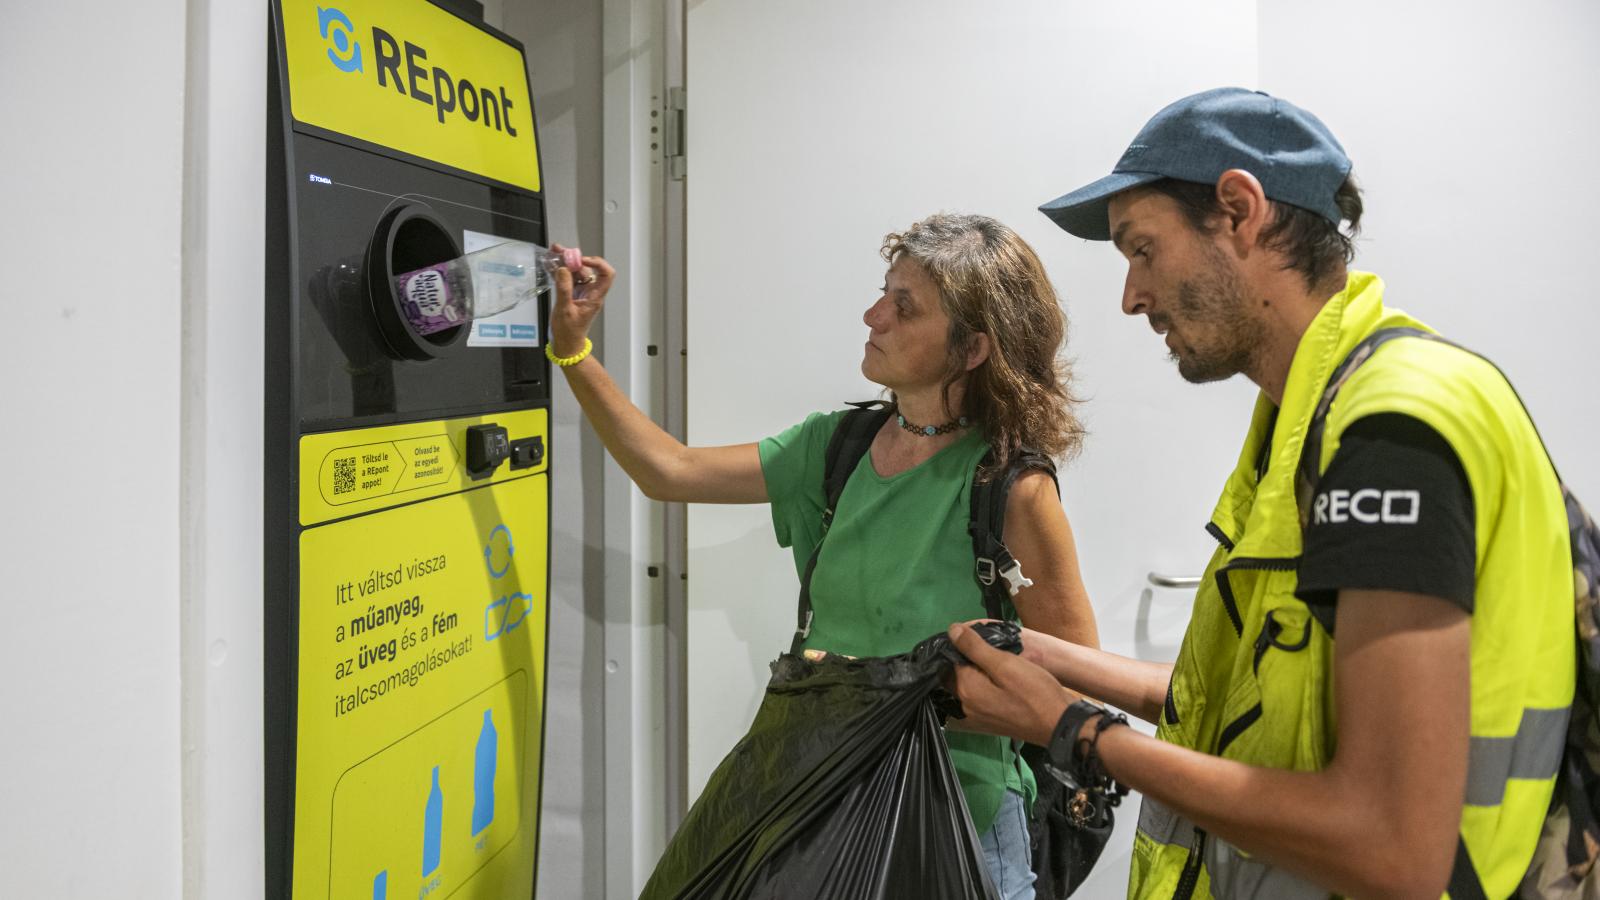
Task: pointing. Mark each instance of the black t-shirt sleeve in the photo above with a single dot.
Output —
(1393, 511)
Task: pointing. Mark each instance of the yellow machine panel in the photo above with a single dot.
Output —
(343, 473)
(421, 689)
(411, 76)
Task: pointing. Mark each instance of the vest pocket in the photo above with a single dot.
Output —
(1275, 714)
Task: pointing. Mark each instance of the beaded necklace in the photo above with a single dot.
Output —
(931, 430)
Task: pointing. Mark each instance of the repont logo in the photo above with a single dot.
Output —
(345, 54)
(448, 95)
(1368, 506)
(429, 85)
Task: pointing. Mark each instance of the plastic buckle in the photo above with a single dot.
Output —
(805, 630)
(985, 571)
(1015, 580)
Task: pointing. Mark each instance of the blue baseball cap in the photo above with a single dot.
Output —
(1294, 156)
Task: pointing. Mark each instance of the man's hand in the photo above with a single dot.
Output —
(1033, 642)
(1005, 694)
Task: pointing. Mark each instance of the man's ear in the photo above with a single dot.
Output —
(1245, 209)
(978, 351)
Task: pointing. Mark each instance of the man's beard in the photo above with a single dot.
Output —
(1213, 306)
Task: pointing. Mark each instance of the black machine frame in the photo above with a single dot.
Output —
(516, 379)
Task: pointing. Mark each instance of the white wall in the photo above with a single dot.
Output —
(224, 131)
(91, 170)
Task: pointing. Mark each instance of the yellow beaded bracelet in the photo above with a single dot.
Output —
(565, 361)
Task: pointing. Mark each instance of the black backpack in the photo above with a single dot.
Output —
(1569, 843)
(1064, 843)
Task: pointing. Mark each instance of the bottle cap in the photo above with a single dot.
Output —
(572, 258)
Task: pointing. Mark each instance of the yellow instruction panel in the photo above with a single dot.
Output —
(343, 473)
(408, 75)
(421, 658)
(421, 694)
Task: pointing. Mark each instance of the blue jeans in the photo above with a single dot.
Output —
(1005, 849)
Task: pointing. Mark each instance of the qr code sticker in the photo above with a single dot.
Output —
(344, 475)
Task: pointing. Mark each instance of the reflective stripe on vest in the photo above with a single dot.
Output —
(1234, 876)
(1533, 753)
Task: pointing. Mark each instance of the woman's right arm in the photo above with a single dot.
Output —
(662, 467)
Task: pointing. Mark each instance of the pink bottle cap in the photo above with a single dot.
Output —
(572, 258)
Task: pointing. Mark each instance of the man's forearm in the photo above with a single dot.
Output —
(1356, 843)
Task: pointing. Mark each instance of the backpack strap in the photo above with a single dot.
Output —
(997, 572)
(851, 438)
(1307, 474)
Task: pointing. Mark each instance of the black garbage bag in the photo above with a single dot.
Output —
(842, 790)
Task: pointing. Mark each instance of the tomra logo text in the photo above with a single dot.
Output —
(345, 54)
(1368, 506)
(429, 85)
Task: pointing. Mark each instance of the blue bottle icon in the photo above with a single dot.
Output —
(380, 885)
(432, 827)
(483, 777)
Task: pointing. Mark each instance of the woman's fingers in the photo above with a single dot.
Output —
(601, 267)
(594, 280)
(563, 290)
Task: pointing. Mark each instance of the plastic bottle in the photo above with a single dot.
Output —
(483, 777)
(432, 827)
(480, 284)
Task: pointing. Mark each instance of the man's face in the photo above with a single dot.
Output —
(1186, 285)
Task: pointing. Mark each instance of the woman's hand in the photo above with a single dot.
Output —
(579, 297)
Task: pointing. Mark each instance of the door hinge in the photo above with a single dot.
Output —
(675, 142)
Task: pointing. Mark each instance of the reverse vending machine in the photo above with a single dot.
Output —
(406, 484)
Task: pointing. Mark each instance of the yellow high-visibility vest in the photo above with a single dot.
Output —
(1253, 681)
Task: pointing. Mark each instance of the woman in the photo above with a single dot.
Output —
(965, 338)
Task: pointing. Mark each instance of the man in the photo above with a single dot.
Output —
(1372, 693)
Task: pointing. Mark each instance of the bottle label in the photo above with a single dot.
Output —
(427, 301)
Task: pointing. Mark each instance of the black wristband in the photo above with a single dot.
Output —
(1063, 749)
(1093, 768)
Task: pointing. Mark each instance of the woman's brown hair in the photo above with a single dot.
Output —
(991, 282)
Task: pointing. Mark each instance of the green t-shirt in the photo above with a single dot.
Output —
(896, 568)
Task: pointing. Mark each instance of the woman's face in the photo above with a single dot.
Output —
(909, 331)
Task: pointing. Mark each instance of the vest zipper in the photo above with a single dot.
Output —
(1229, 605)
(1237, 727)
(1191, 868)
(1216, 531)
(1248, 563)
